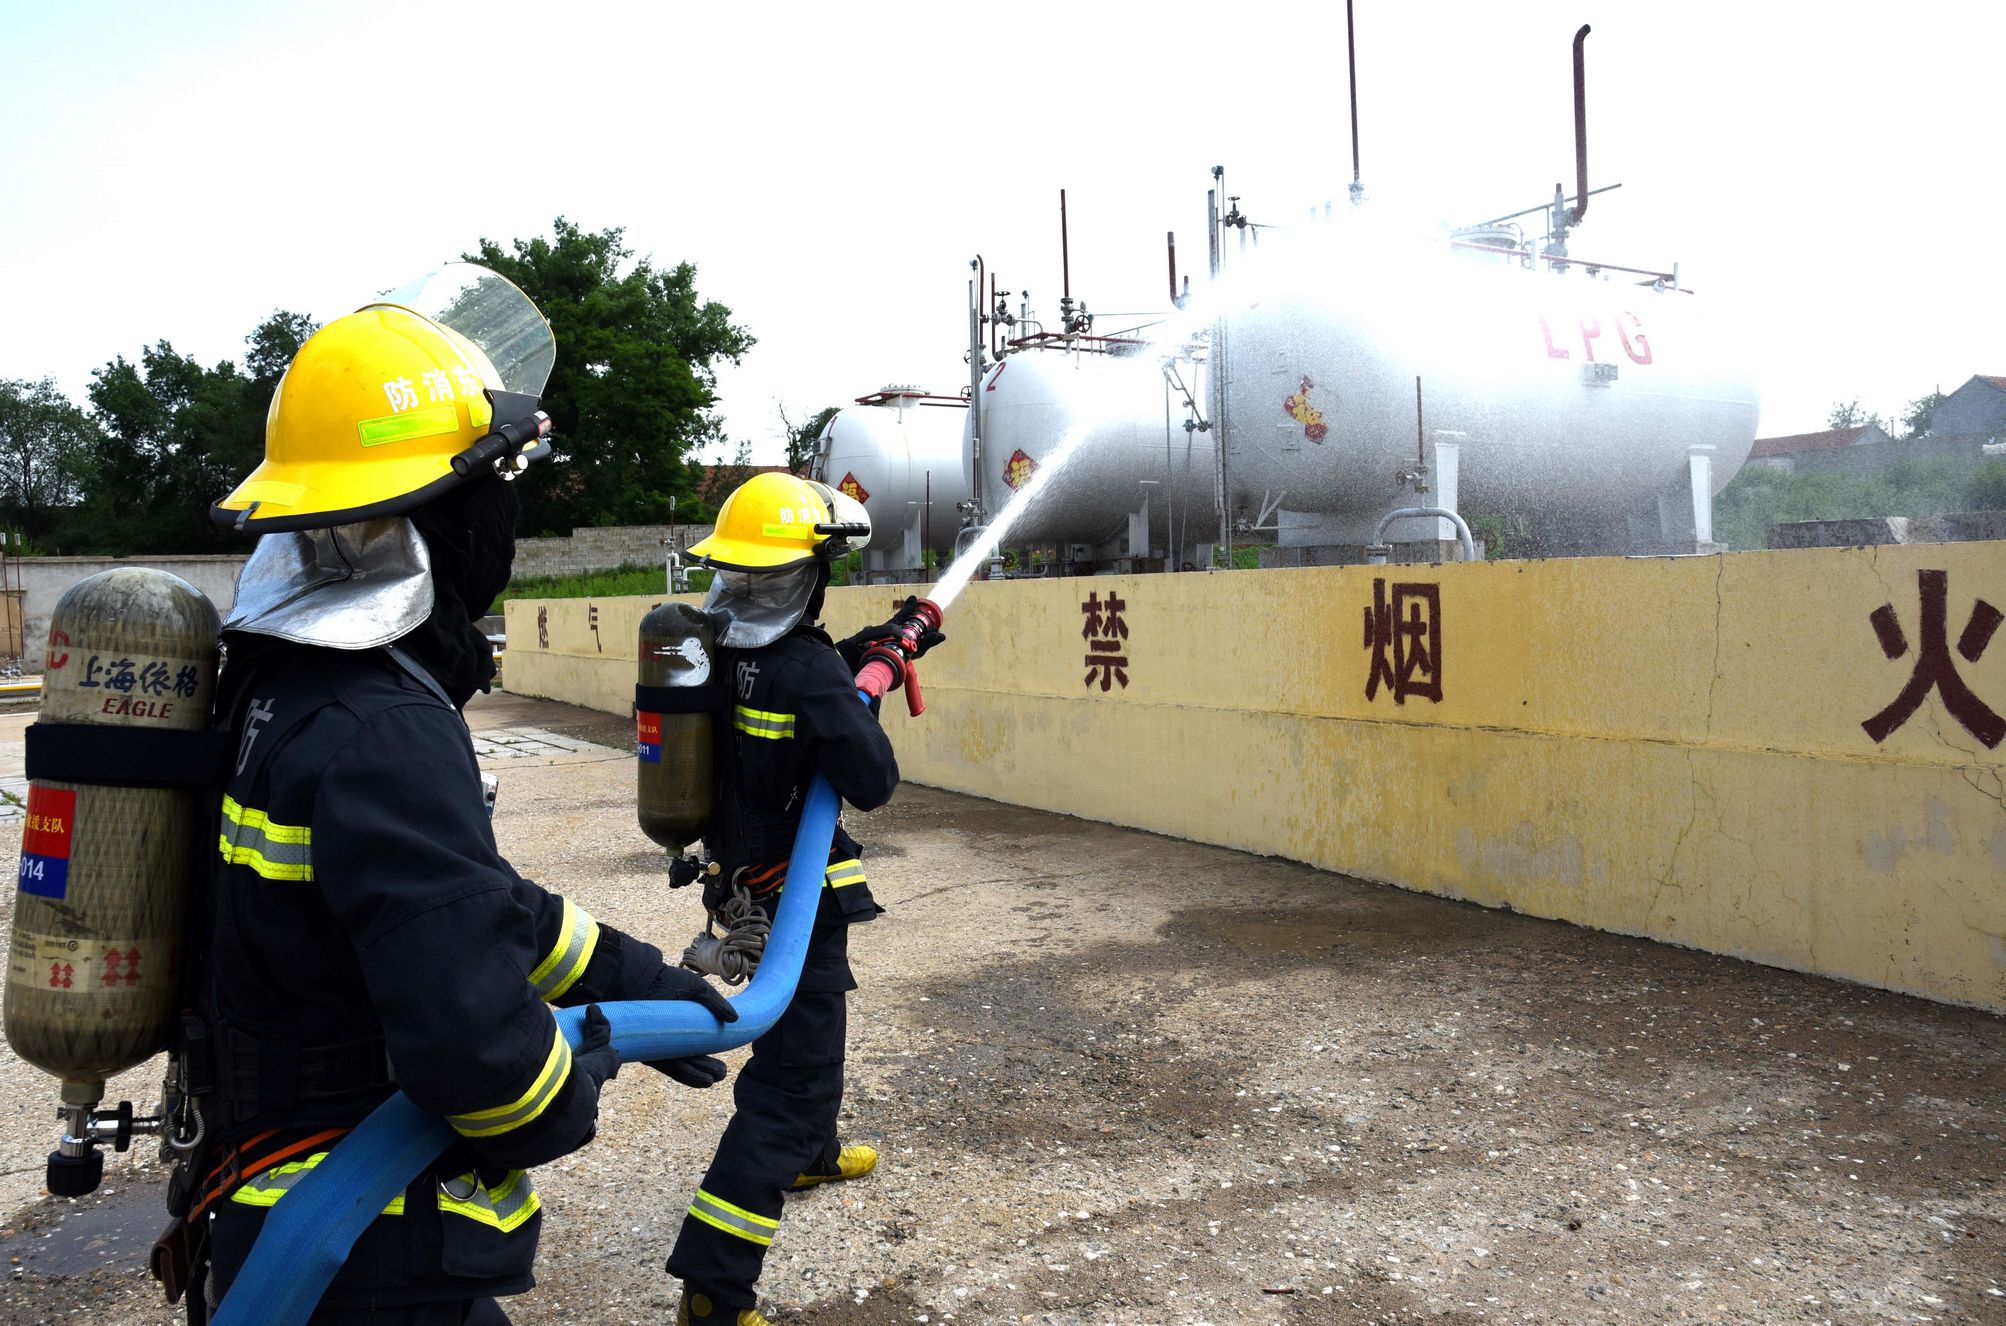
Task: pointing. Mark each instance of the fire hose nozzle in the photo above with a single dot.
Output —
(890, 662)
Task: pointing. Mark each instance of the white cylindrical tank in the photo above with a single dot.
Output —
(1568, 396)
(1129, 455)
(896, 456)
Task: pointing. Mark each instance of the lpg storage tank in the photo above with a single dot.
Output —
(1137, 483)
(1598, 415)
(899, 452)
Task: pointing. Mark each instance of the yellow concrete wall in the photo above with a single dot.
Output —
(1662, 747)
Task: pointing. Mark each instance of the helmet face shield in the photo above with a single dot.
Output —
(491, 314)
(761, 606)
(385, 409)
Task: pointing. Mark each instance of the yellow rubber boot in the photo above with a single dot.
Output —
(854, 1161)
(695, 1309)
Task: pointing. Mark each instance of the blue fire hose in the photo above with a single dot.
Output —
(306, 1238)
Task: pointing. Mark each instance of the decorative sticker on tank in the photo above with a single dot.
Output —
(45, 842)
(852, 489)
(1018, 470)
(1300, 408)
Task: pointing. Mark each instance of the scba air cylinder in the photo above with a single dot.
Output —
(93, 968)
(673, 706)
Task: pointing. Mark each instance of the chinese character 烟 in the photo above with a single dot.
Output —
(1934, 669)
(1405, 637)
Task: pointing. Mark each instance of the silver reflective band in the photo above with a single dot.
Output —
(733, 1220)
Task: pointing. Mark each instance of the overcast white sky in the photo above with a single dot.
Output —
(180, 170)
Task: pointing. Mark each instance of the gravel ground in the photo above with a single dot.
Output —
(1118, 1078)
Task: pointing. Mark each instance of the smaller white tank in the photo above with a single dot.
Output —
(1130, 460)
(899, 452)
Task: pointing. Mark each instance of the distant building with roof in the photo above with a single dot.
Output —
(1979, 406)
(1834, 448)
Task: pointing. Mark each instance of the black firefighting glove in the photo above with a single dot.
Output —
(853, 648)
(595, 1058)
(697, 1070)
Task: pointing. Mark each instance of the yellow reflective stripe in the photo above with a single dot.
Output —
(841, 874)
(256, 820)
(526, 1107)
(505, 1208)
(275, 851)
(266, 1188)
(734, 1220)
(412, 423)
(577, 938)
(244, 854)
(762, 723)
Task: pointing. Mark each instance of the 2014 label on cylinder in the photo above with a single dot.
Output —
(45, 841)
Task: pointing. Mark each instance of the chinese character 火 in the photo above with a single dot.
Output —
(1104, 630)
(1405, 637)
(1933, 666)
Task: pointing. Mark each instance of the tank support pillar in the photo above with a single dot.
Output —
(1699, 466)
(1137, 543)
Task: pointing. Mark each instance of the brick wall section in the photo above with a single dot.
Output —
(601, 548)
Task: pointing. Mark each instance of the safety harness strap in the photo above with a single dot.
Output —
(105, 756)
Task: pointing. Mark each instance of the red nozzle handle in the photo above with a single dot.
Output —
(890, 661)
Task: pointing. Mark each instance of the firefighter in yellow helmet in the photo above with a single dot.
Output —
(794, 713)
(366, 936)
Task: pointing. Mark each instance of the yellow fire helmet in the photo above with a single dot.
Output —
(386, 408)
(774, 521)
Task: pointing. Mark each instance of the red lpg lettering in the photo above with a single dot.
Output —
(1591, 328)
(1552, 351)
(57, 660)
(1635, 344)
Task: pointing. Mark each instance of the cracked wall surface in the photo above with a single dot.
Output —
(1668, 747)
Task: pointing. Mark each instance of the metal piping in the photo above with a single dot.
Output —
(1580, 130)
(1351, 60)
(1377, 552)
(1065, 255)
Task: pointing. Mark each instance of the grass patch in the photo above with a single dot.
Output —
(1760, 496)
(619, 582)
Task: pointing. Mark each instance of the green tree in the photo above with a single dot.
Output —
(174, 436)
(801, 438)
(45, 448)
(1916, 417)
(1848, 414)
(631, 395)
